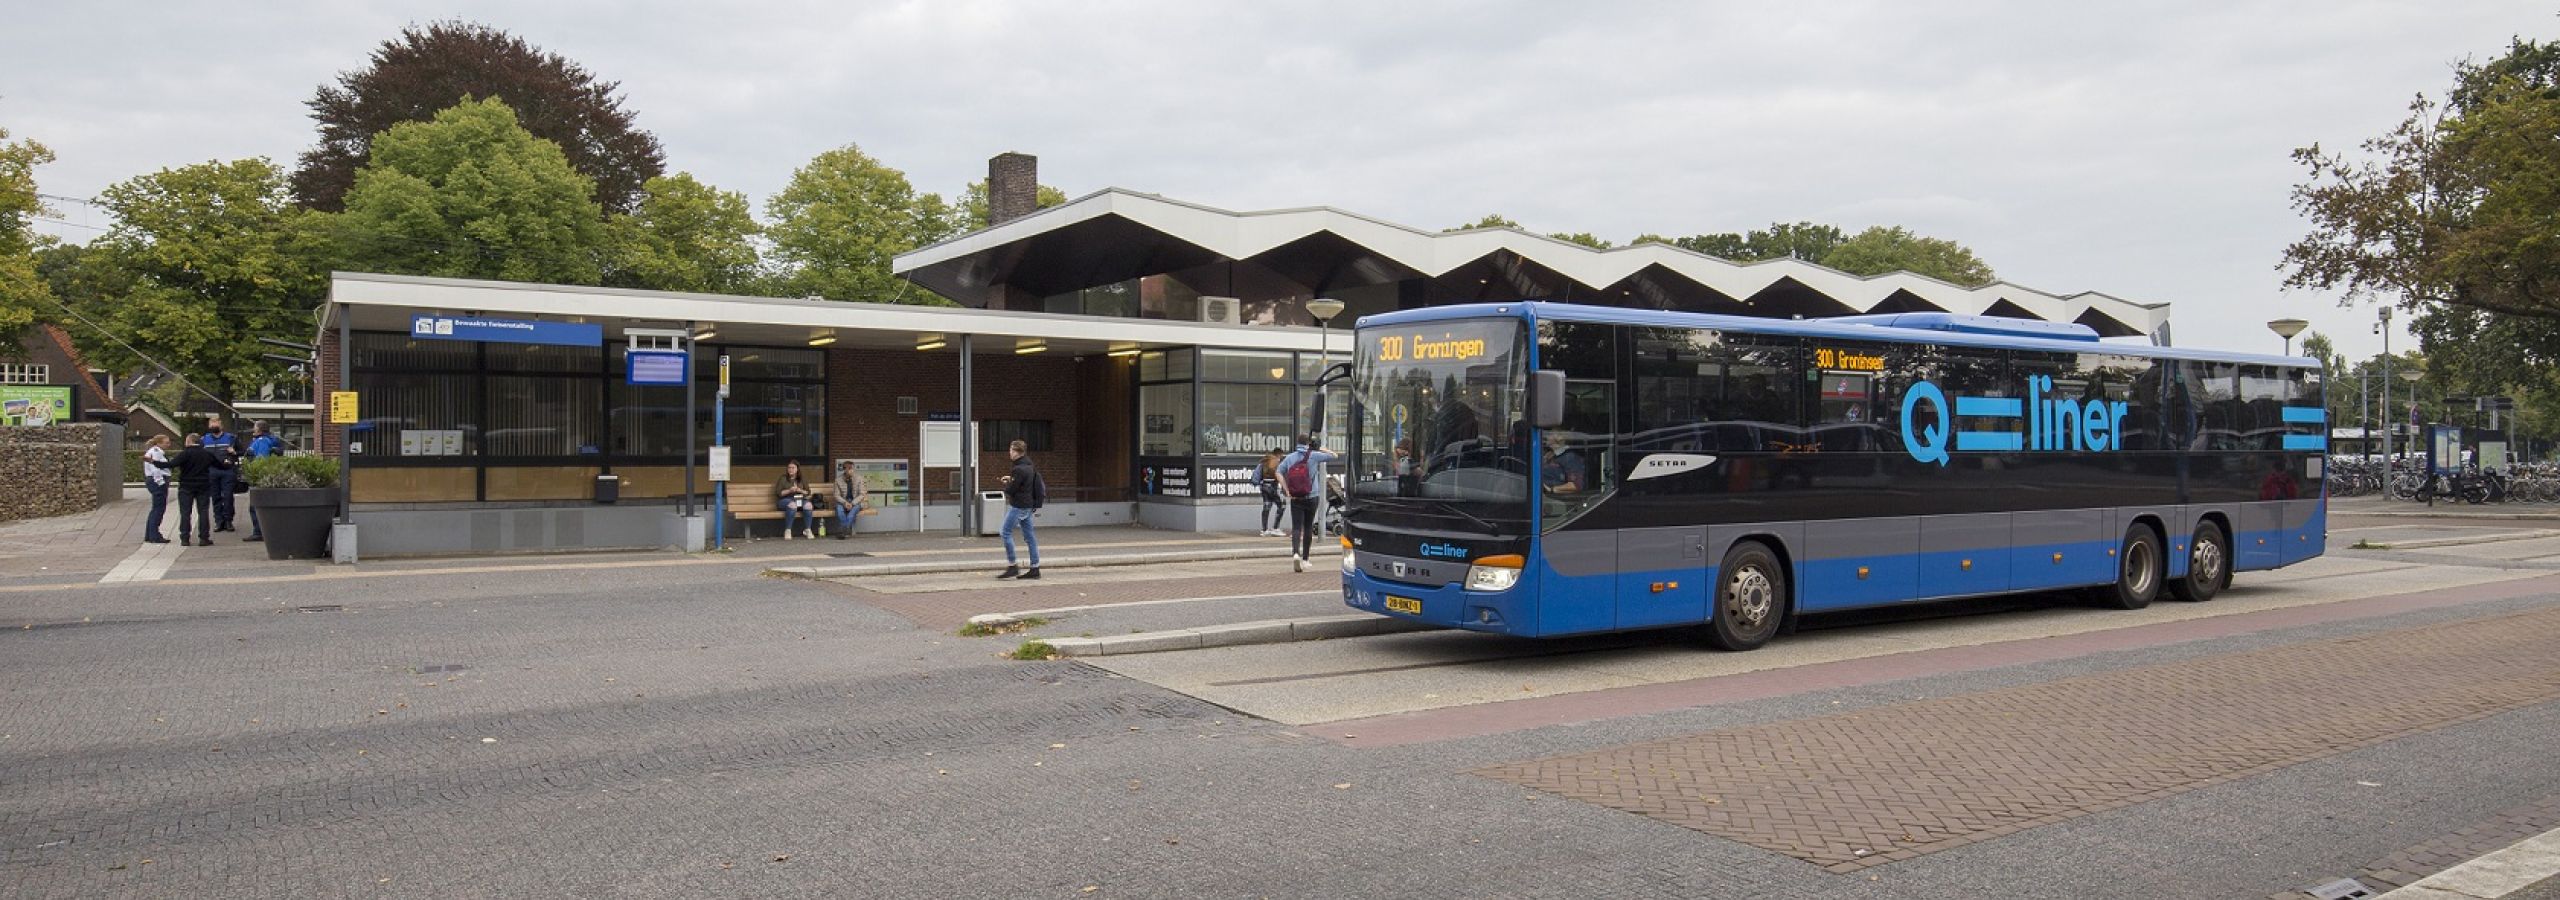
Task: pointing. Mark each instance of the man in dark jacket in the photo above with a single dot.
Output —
(196, 467)
(1023, 493)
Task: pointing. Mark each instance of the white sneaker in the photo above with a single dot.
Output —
(1298, 563)
(786, 534)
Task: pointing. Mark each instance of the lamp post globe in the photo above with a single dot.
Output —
(2287, 328)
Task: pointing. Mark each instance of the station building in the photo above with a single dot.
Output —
(1148, 351)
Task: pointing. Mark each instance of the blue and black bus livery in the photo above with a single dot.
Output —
(1733, 472)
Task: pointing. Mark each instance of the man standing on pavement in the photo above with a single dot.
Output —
(221, 443)
(155, 479)
(261, 445)
(196, 467)
(1024, 492)
(1300, 475)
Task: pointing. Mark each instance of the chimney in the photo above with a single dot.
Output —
(1013, 187)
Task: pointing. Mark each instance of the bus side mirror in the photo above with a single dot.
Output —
(1315, 415)
(1546, 398)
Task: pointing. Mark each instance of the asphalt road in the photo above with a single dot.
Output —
(697, 731)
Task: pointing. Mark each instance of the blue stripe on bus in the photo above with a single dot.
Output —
(1990, 440)
(2010, 407)
(2307, 415)
(2311, 442)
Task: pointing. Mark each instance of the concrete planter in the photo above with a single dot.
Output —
(296, 520)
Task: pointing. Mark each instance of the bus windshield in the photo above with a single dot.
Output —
(1438, 409)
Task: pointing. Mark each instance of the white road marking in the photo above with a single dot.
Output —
(149, 562)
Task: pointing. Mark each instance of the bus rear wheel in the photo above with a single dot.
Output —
(2208, 565)
(2139, 570)
(1751, 598)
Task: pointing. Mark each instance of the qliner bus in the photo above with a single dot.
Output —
(1545, 469)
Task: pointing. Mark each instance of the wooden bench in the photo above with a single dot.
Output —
(754, 503)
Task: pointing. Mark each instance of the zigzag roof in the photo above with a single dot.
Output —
(974, 260)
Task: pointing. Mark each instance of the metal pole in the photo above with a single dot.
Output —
(719, 490)
(689, 456)
(1324, 397)
(2386, 402)
(346, 382)
(969, 523)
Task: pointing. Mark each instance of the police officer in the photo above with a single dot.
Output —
(226, 446)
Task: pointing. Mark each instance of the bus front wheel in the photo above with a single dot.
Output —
(1751, 598)
(2208, 565)
(2139, 570)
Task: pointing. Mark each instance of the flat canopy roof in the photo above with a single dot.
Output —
(385, 303)
(1115, 235)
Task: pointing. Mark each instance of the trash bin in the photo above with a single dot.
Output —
(608, 488)
(990, 513)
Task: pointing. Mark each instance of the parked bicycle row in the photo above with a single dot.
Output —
(2410, 480)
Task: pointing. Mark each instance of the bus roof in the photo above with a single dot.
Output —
(1929, 328)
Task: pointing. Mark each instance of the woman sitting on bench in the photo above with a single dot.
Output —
(791, 495)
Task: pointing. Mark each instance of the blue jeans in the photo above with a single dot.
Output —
(795, 506)
(1020, 518)
(159, 508)
(845, 514)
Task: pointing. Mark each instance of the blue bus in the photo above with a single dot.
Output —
(1545, 469)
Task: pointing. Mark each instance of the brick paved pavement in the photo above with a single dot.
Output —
(1881, 785)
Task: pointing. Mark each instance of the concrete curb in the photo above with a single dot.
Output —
(1274, 631)
(2445, 512)
(2460, 541)
(2519, 866)
(930, 567)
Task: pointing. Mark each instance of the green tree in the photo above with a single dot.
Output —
(1882, 249)
(472, 195)
(1491, 220)
(972, 211)
(202, 261)
(1807, 241)
(687, 236)
(424, 71)
(23, 296)
(1584, 238)
(843, 218)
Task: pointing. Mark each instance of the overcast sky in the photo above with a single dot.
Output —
(2139, 149)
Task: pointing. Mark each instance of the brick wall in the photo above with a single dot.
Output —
(50, 471)
(326, 381)
(1013, 187)
(863, 387)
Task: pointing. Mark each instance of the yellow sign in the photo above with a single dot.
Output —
(1827, 358)
(342, 408)
(1449, 347)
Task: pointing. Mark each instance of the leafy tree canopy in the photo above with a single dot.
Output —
(1782, 240)
(1584, 238)
(973, 204)
(843, 218)
(1491, 220)
(1883, 249)
(687, 236)
(23, 295)
(472, 195)
(202, 261)
(426, 70)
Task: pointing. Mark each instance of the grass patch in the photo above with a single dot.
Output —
(1033, 650)
(1016, 626)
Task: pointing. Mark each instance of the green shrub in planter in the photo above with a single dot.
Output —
(292, 472)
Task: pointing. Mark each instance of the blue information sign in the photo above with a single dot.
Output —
(657, 366)
(506, 331)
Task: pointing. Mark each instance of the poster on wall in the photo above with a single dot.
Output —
(34, 404)
(885, 479)
(1166, 476)
(1229, 481)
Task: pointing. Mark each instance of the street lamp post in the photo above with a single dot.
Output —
(1324, 309)
(2413, 376)
(2384, 329)
(2288, 328)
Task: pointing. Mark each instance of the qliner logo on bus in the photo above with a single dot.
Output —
(2053, 424)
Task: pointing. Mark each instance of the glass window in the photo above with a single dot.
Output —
(1311, 366)
(1164, 420)
(2212, 392)
(543, 358)
(2263, 392)
(416, 415)
(397, 351)
(771, 363)
(546, 415)
(1241, 419)
(770, 419)
(1165, 365)
(1575, 463)
(1244, 365)
(998, 435)
(648, 420)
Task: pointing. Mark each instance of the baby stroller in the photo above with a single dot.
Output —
(1333, 498)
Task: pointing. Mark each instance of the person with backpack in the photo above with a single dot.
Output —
(1266, 477)
(1024, 493)
(1300, 474)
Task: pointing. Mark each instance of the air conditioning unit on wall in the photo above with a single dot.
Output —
(1221, 310)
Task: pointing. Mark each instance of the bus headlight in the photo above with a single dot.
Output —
(1494, 573)
(1349, 566)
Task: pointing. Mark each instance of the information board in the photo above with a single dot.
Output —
(656, 366)
(33, 404)
(342, 408)
(505, 331)
(720, 463)
(887, 480)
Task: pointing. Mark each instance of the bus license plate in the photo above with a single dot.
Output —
(1406, 605)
